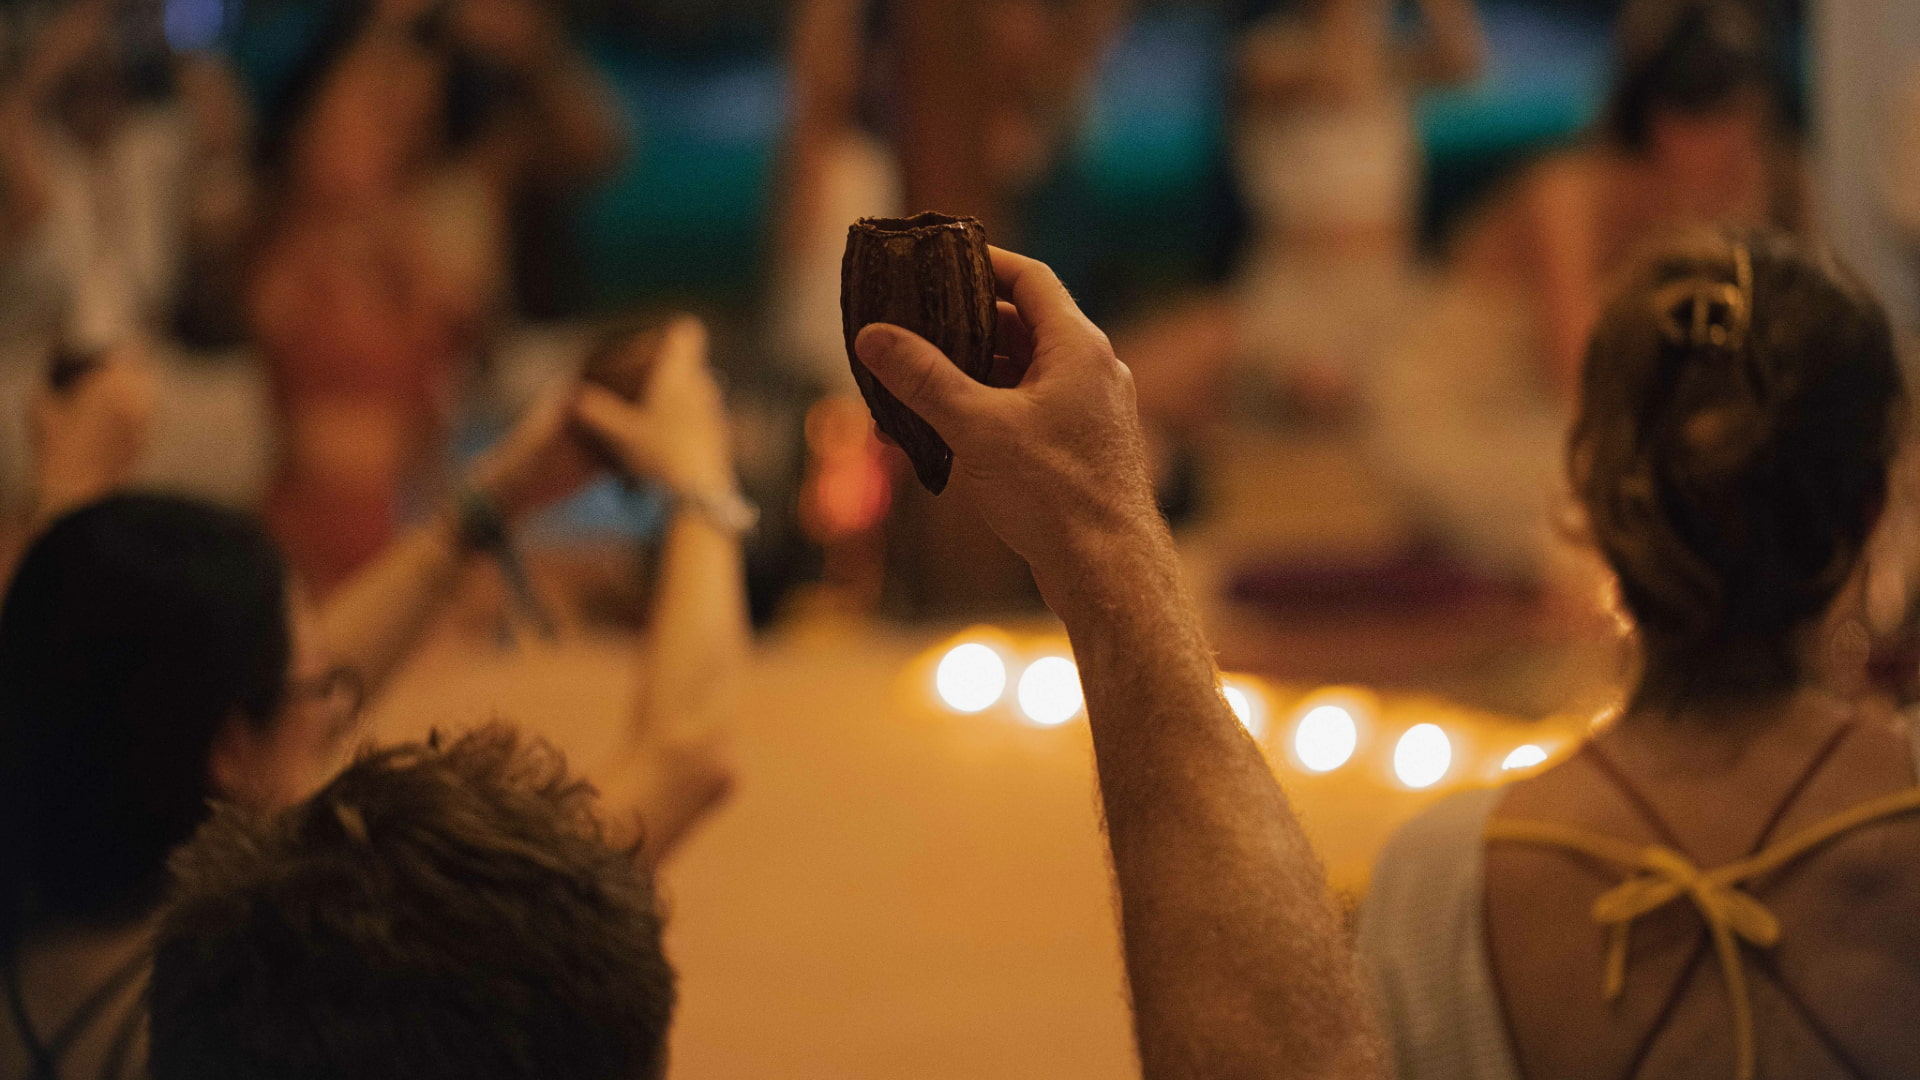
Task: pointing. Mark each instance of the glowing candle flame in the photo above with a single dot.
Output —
(1423, 756)
(970, 677)
(1326, 738)
(1049, 691)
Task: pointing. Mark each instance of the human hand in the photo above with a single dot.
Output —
(1052, 452)
(88, 437)
(676, 432)
(540, 462)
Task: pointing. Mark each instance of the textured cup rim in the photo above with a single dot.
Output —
(927, 221)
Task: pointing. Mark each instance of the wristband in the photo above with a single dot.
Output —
(480, 528)
(731, 512)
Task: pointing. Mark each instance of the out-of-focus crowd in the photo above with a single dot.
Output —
(326, 271)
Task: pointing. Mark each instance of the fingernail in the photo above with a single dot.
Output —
(874, 341)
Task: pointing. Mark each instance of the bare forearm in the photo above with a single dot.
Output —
(670, 764)
(374, 621)
(700, 636)
(1237, 961)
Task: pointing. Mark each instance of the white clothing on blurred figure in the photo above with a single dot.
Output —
(1331, 185)
(103, 262)
(858, 178)
(100, 264)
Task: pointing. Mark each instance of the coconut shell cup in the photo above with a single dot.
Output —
(623, 362)
(930, 274)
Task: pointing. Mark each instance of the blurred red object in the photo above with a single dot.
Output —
(845, 497)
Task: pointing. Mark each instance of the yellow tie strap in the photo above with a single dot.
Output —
(1659, 875)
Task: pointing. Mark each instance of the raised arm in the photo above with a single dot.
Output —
(671, 764)
(90, 434)
(374, 620)
(1236, 959)
(87, 437)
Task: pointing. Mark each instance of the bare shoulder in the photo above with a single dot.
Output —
(1850, 942)
(1564, 793)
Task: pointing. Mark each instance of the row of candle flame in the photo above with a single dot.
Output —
(1326, 731)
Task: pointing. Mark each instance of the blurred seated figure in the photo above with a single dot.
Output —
(126, 197)
(395, 159)
(1330, 166)
(156, 654)
(1722, 882)
(1471, 402)
(456, 912)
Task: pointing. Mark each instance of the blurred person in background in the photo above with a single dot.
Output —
(1329, 163)
(125, 198)
(1722, 881)
(394, 160)
(1472, 401)
(157, 653)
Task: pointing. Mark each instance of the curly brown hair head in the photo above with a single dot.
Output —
(432, 913)
(1740, 412)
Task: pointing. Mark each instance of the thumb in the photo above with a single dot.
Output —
(919, 375)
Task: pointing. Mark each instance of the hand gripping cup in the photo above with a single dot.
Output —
(930, 274)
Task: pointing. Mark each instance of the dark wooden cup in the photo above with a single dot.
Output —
(930, 274)
(621, 361)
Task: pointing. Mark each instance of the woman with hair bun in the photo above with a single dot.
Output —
(1722, 882)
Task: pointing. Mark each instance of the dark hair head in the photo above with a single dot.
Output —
(1739, 415)
(134, 629)
(432, 913)
(1685, 56)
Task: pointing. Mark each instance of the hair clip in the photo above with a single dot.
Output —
(1688, 309)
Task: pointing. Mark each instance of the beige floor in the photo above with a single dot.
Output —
(898, 891)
